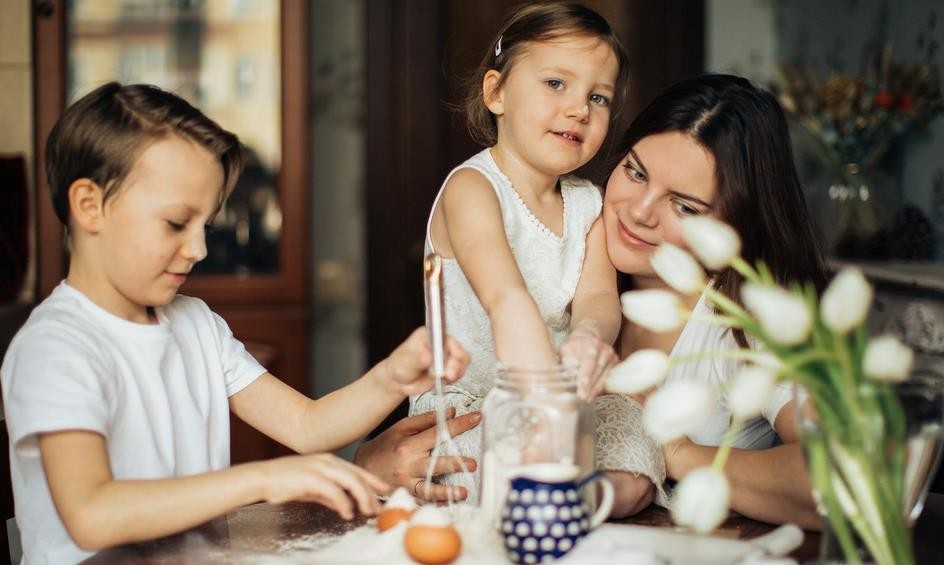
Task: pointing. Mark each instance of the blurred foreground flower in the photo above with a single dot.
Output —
(857, 454)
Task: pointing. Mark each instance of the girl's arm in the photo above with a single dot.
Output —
(595, 315)
(100, 512)
(351, 412)
(766, 484)
(475, 235)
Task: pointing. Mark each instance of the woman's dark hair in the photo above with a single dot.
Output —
(527, 24)
(101, 136)
(758, 191)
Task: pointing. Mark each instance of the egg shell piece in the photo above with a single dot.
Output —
(390, 517)
(431, 516)
(401, 498)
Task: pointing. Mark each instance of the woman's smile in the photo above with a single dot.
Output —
(631, 238)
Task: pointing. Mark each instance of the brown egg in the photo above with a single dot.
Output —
(432, 545)
(390, 517)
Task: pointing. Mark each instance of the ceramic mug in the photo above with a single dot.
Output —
(545, 513)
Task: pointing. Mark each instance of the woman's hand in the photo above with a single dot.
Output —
(401, 454)
(325, 479)
(407, 368)
(589, 356)
(673, 454)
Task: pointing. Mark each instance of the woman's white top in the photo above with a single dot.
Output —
(699, 337)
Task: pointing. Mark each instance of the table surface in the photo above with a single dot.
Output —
(266, 529)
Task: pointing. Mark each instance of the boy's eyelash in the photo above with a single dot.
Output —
(176, 226)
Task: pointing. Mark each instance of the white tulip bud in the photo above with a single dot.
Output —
(640, 371)
(715, 243)
(678, 409)
(656, 310)
(846, 301)
(783, 315)
(887, 359)
(750, 391)
(678, 269)
(701, 500)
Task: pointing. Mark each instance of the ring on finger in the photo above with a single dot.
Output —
(415, 487)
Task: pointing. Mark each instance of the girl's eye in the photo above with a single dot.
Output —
(684, 209)
(599, 100)
(176, 226)
(555, 84)
(634, 174)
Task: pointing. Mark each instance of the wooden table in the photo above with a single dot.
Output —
(265, 529)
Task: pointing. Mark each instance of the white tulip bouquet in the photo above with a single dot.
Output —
(856, 454)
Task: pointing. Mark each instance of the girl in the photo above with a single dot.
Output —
(717, 145)
(525, 267)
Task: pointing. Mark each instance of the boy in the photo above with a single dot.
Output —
(117, 390)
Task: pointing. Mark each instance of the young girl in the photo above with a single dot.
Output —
(525, 267)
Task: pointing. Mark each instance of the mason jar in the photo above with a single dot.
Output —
(532, 416)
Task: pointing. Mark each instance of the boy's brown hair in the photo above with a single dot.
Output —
(534, 23)
(100, 137)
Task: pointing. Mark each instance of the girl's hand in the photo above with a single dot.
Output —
(400, 455)
(325, 479)
(589, 356)
(408, 366)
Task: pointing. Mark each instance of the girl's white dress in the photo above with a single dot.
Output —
(551, 267)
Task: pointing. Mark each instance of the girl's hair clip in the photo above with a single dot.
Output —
(498, 46)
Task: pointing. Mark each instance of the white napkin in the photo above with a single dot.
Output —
(646, 544)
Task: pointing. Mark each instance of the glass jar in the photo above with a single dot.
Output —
(532, 416)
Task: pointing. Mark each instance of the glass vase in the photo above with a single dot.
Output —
(871, 458)
(854, 207)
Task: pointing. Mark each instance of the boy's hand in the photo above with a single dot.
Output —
(325, 479)
(407, 368)
(401, 453)
(589, 356)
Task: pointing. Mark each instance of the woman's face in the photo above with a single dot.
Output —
(665, 178)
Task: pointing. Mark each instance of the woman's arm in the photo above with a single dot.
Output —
(766, 484)
(99, 511)
(471, 222)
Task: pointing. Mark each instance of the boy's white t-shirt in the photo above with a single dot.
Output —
(157, 393)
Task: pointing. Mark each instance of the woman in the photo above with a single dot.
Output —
(719, 146)
(716, 145)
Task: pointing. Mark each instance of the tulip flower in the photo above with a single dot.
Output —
(783, 315)
(750, 391)
(887, 359)
(640, 371)
(846, 301)
(678, 409)
(656, 310)
(701, 500)
(715, 243)
(678, 269)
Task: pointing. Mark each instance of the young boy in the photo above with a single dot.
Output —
(117, 390)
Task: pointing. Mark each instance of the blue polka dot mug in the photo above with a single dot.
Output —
(546, 513)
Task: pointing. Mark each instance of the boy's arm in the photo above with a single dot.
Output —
(476, 235)
(351, 412)
(99, 511)
(595, 316)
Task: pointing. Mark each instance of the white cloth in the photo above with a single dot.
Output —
(699, 337)
(157, 393)
(550, 266)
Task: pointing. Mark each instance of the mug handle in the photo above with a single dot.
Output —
(603, 509)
